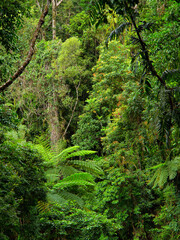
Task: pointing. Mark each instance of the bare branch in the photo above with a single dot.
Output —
(59, 3)
(31, 50)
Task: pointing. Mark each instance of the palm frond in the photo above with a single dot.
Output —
(145, 26)
(117, 31)
(97, 13)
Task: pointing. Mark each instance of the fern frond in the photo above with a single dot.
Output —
(72, 183)
(46, 154)
(77, 179)
(63, 197)
(62, 156)
(71, 197)
(66, 170)
(55, 198)
(163, 176)
(173, 167)
(88, 166)
(81, 153)
(165, 171)
(52, 175)
(157, 166)
(43, 207)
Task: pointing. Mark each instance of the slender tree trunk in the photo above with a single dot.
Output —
(54, 13)
(55, 127)
(53, 121)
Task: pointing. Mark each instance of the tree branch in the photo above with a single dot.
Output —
(31, 50)
(59, 3)
(146, 53)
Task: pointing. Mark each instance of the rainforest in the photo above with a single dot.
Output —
(90, 120)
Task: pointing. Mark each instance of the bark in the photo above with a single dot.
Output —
(54, 13)
(54, 125)
(53, 114)
(31, 50)
(59, 3)
(53, 120)
(55, 4)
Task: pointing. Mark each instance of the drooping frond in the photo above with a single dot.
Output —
(165, 114)
(173, 167)
(117, 31)
(53, 197)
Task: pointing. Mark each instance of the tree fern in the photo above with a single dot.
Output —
(62, 156)
(71, 152)
(65, 172)
(65, 159)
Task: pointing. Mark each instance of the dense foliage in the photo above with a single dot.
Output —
(89, 133)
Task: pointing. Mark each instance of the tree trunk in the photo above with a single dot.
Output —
(54, 13)
(53, 121)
